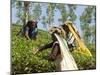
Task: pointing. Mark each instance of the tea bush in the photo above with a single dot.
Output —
(84, 62)
(24, 61)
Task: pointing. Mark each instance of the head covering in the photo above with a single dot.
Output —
(55, 30)
(34, 21)
(68, 22)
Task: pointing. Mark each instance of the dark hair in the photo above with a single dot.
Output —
(29, 23)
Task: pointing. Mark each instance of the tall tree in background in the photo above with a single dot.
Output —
(19, 13)
(88, 24)
(67, 12)
(44, 22)
(26, 12)
(37, 11)
(71, 12)
(62, 9)
(50, 13)
(22, 13)
(13, 3)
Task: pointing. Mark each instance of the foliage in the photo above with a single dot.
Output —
(19, 13)
(84, 62)
(37, 11)
(50, 13)
(87, 22)
(26, 10)
(24, 61)
(63, 11)
(68, 13)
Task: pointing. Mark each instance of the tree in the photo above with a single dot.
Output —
(19, 13)
(88, 24)
(44, 22)
(22, 8)
(26, 12)
(67, 12)
(50, 13)
(13, 3)
(62, 9)
(71, 12)
(37, 11)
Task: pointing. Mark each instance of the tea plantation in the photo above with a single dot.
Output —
(24, 61)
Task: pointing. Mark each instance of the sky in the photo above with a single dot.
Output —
(79, 11)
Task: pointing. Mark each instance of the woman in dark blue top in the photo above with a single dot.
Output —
(30, 30)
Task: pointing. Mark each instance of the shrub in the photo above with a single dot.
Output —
(23, 60)
(84, 62)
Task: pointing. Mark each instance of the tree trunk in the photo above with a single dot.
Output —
(26, 12)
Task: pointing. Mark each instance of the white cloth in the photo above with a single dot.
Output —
(65, 61)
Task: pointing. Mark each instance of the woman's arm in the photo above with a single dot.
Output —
(26, 33)
(45, 46)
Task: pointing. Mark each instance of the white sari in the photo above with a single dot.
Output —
(64, 61)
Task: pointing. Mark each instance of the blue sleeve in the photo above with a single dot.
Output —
(26, 29)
